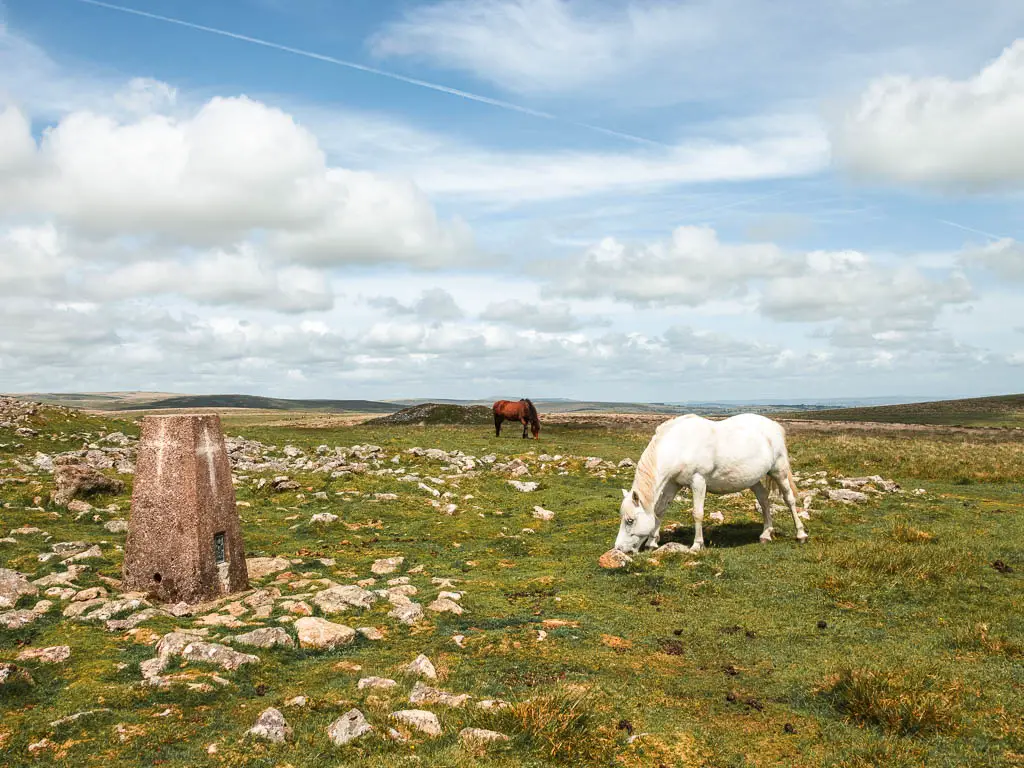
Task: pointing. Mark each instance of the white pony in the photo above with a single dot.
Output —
(744, 451)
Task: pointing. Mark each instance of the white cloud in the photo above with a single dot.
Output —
(546, 318)
(240, 278)
(1003, 257)
(434, 304)
(233, 168)
(524, 45)
(941, 132)
(690, 269)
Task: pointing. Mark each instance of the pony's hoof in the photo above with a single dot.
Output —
(718, 517)
(802, 538)
(696, 547)
(766, 537)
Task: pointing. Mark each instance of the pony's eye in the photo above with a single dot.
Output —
(629, 522)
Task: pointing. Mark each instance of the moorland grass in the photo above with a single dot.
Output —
(889, 639)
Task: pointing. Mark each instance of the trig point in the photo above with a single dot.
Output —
(184, 538)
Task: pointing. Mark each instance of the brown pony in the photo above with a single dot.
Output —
(522, 411)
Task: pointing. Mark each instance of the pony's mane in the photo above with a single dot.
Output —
(647, 472)
(534, 418)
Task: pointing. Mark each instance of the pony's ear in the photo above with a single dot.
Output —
(636, 498)
(625, 493)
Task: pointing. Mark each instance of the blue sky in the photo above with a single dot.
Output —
(671, 201)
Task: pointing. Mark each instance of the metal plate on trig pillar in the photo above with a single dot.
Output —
(219, 555)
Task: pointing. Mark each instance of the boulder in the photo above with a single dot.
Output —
(55, 654)
(386, 565)
(215, 653)
(478, 737)
(78, 480)
(348, 727)
(340, 599)
(319, 633)
(419, 719)
(271, 726)
(444, 605)
(422, 667)
(266, 637)
(846, 495)
(12, 586)
(375, 682)
(424, 694)
(614, 558)
(258, 567)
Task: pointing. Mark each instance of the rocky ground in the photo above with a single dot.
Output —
(60, 471)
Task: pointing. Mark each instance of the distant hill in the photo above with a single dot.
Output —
(437, 413)
(1000, 411)
(132, 401)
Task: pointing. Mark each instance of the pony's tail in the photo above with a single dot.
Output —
(773, 487)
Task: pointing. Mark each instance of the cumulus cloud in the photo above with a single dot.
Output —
(546, 318)
(936, 131)
(232, 168)
(434, 304)
(1004, 257)
(692, 268)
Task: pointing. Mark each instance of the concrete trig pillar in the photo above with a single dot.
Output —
(184, 537)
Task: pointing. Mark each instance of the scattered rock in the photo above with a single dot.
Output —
(478, 737)
(423, 667)
(296, 701)
(444, 605)
(17, 619)
(672, 548)
(370, 633)
(386, 565)
(323, 517)
(12, 586)
(614, 558)
(407, 613)
(11, 674)
(375, 682)
(543, 514)
(215, 653)
(78, 716)
(266, 637)
(846, 495)
(348, 727)
(419, 719)
(319, 633)
(78, 480)
(89, 594)
(424, 694)
(258, 567)
(55, 654)
(524, 487)
(271, 726)
(116, 526)
(340, 599)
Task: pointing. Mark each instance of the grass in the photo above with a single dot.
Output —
(888, 639)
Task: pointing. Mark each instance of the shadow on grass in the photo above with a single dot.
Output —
(724, 536)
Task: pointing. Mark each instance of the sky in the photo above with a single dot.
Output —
(639, 200)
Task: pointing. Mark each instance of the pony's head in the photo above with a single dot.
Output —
(636, 525)
(533, 418)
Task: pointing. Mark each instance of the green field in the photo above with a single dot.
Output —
(1001, 411)
(889, 639)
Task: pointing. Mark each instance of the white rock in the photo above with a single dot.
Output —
(271, 727)
(319, 633)
(423, 721)
(386, 565)
(443, 605)
(476, 737)
(543, 514)
(375, 682)
(348, 727)
(423, 667)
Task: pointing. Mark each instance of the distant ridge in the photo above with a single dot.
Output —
(999, 411)
(132, 401)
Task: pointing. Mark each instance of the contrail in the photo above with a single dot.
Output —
(370, 70)
(971, 229)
